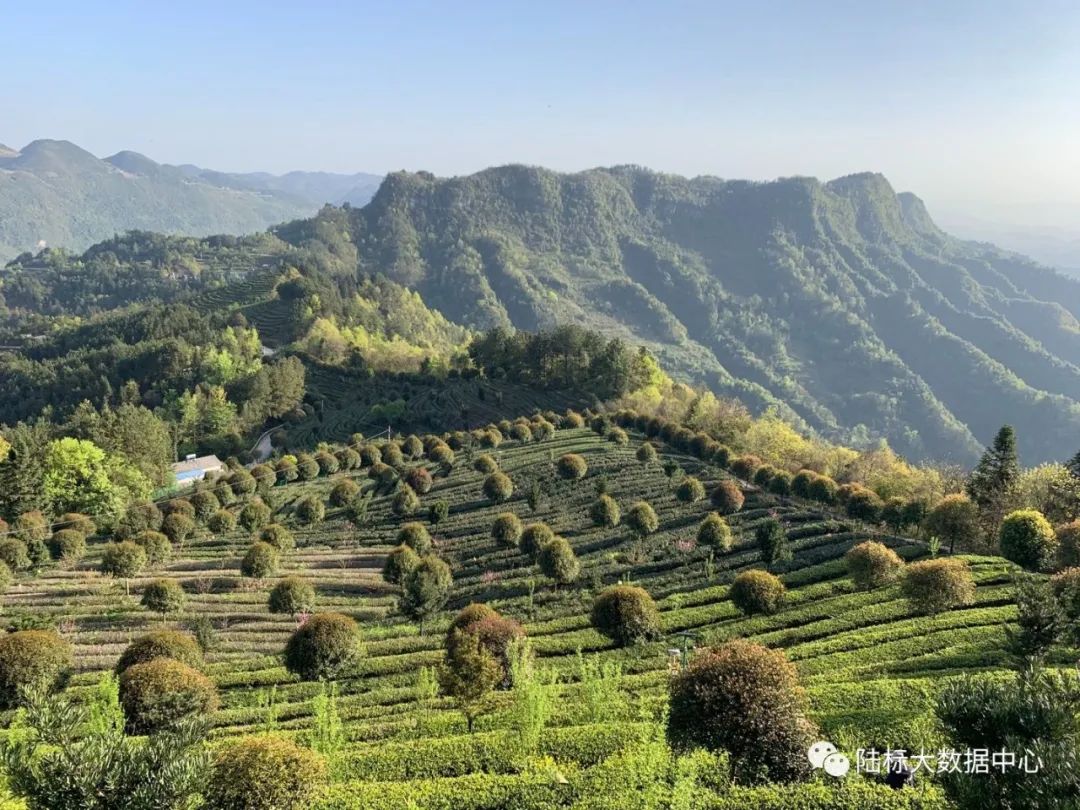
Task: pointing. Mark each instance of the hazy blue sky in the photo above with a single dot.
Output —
(972, 105)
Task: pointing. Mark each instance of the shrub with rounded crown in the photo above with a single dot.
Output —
(498, 487)
(14, 554)
(1027, 539)
(936, 585)
(626, 614)
(617, 436)
(1065, 586)
(441, 453)
(278, 536)
(159, 693)
(1068, 536)
(261, 561)
(642, 518)
(714, 532)
(178, 527)
(757, 591)
(32, 658)
(420, 480)
(506, 529)
(254, 515)
(646, 454)
(572, 419)
(485, 463)
(327, 461)
(864, 504)
(399, 562)
(310, 510)
(370, 455)
(67, 544)
(605, 512)
(571, 467)
(392, 455)
(822, 489)
(405, 501)
(139, 517)
(415, 536)
(727, 497)
(871, 565)
(264, 773)
(161, 644)
(558, 562)
(745, 466)
(745, 699)
(534, 537)
(690, 490)
(780, 483)
(221, 522)
(325, 646)
(343, 492)
(205, 503)
(123, 560)
(77, 521)
(163, 596)
(292, 596)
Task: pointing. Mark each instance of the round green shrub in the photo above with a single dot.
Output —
(348, 458)
(438, 512)
(139, 517)
(310, 510)
(558, 562)
(800, 483)
(822, 489)
(764, 475)
(520, 432)
(1027, 538)
(221, 522)
(164, 596)
(14, 554)
(161, 644)
(292, 596)
(326, 646)
(690, 490)
(571, 467)
(646, 454)
(506, 529)
(77, 521)
(936, 585)
(254, 515)
(178, 506)
(157, 694)
(241, 482)
(1065, 586)
(399, 563)
(626, 614)
(871, 565)
(68, 545)
(412, 447)
(344, 492)
(727, 497)
(745, 466)
(264, 773)
(205, 503)
(123, 560)
(415, 536)
(618, 436)
(328, 463)
(32, 658)
(6, 577)
(405, 501)
(534, 537)
(864, 504)
(485, 463)
(757, 591)
(278, 536)
(370, 455)
(498, 487)
(261, 561)
(178, 527)
(642, 518)
(441, 453)
(285, 469)
(572, 419)
(605, 512)
(780, 483)
(744, 699)
(392, 455)
(714, 532)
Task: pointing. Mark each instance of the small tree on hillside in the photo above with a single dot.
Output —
(772, 541)
(164, 596)
(642, 519)
(994, 479)
(558, 562)
(954, 520)
(123, 561)
(1027, 539)
(1041, 622)
(426, 589)
(469, 675)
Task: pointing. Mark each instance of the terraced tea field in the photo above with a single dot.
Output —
(870, 664)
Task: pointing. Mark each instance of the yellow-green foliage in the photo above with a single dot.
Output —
(264, 773)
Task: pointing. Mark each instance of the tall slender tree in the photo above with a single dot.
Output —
(994, 480)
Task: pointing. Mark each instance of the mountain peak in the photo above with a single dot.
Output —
(134, 163)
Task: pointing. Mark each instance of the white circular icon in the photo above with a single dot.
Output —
(837, 765)
(818, 751)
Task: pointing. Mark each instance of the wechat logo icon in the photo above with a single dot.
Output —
(823, 754)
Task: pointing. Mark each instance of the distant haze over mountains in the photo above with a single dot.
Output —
(55, 193)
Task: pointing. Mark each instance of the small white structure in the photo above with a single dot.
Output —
(193, 469)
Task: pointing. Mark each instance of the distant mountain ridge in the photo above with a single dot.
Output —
(55, 193)
(841, 304)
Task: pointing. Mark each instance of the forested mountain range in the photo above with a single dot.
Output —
(54, 192)
(841, 303)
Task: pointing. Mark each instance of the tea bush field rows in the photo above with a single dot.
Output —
(871, 665)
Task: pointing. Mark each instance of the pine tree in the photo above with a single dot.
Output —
(994, 479)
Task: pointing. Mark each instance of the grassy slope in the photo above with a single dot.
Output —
(867, 661)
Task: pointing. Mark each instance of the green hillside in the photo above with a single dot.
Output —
(872, 665)
(840, 302)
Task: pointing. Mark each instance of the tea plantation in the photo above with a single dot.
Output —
(585, 728)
